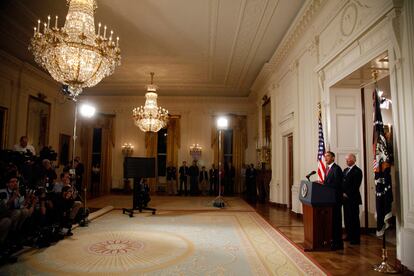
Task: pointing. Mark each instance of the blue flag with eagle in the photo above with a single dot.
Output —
(382, 170)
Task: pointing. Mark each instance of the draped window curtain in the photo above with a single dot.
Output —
(173, 143)
(238, 124)
(173, 139)
(106, 123)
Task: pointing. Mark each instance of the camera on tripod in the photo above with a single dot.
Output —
(16, 157)
(48, 153)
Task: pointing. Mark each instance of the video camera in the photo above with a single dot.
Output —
(48, 153)
(16, 157)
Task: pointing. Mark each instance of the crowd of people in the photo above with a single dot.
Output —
(37, 208)
(195, 181)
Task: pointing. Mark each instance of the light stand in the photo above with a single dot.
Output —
(86, 111)
(222, 124)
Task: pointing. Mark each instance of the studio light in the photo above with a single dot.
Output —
(87, 110)
(222, 123)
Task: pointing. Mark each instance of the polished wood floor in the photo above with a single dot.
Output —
(353, 260)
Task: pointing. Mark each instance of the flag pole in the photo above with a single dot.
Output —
(383, 266)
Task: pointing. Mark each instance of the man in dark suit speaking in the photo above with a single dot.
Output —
(334, 179)
(352, 199)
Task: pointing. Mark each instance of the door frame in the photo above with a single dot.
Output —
(287, 186)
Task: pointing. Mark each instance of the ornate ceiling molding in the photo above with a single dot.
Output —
(296, 30)
(216, 50)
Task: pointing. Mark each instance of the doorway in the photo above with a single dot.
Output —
(288, 168)
(351, 124)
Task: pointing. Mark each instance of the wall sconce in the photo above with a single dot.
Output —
(195, 151)
(264, 154)
(127, 149)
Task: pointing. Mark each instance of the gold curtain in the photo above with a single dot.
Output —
(151, 142)
(238, 124)
(173, 139)
(214, 141)
(173, 143)
(106, 123)
(86, 136)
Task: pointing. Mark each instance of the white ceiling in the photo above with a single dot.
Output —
(195, 47)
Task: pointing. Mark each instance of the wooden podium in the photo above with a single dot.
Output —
(317, 202)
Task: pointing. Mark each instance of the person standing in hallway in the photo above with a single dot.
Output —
(183, 171)
(203, 180)
(231, 178)
(251, 183)
(79, 170)
(213, 180)
(352, 199)
(243, 178)
(171, 179)
(334, 180)
(194, 172)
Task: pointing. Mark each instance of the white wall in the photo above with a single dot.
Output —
(326, 42)
(196, 122)
(18, 81)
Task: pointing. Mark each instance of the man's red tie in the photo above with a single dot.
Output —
(327, 171)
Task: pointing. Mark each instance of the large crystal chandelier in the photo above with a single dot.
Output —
(150, 118)
(74, 54)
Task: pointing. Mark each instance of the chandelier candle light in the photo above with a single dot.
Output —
(74, 54)
(195, 151)
(151, 117)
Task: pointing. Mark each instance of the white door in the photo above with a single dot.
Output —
(345, 134)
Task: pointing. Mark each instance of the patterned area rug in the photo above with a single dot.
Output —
(198, 203)
(170, 243)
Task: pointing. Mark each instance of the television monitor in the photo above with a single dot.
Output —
(139, 167)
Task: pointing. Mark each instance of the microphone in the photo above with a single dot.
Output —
(310, 174)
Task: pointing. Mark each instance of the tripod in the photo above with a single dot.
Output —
(219, 200)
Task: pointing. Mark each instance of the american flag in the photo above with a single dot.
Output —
(321, 151)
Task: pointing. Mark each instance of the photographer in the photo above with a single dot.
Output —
(64, 181)
(79, 171)
(19, 208)
(48, 174)
(23, 146)
(5, 224)
(65, 209)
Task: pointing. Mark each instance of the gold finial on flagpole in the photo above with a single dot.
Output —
(319, 105)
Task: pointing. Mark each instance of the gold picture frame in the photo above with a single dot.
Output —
(38, 122)
(4, 120)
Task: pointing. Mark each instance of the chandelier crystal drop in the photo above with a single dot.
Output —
(151, 117)
(195, 151)
(75, 55)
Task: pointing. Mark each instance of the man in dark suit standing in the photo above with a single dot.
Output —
(213, 180)
(183, 171)
(333, 180)
(194, 173)
(352, 199)
(171, 179)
